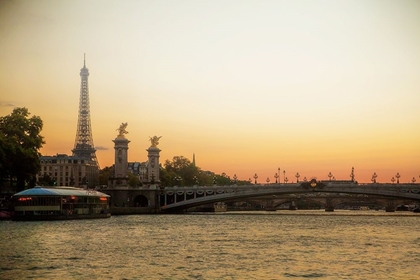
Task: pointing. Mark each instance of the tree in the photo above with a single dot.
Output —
(105, 174)
(45, 180)
(20, 142)
(133, 180)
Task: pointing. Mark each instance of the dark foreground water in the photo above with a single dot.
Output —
(258, 245)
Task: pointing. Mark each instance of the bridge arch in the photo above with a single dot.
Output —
(141, 201)
(330, 192)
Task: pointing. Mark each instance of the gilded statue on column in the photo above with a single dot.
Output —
(154, 141)
(122, 129)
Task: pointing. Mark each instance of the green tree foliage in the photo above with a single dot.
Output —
(20, 141)
(45, 180)
(133, 180)
(182, 172)
(105, 174)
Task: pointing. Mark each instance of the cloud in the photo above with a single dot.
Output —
(100, 148)
(6, 104)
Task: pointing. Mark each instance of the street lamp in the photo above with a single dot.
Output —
(284, 176)
(393, 180)
(297, 177)
(304, 179)
(286, 180)
(413, 180)
(276, 176)
(178, 180)
(352, 174)
(268, 180)
(255, 177)
(398, 177)
(330, 175)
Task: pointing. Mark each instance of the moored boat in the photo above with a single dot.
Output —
(60, 203)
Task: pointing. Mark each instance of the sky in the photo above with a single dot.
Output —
(310, 87)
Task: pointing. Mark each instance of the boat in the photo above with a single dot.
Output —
(60, 203)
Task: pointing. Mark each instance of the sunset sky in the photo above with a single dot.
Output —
(248, 86)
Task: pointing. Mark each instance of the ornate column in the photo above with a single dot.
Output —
(153, 155)
(121, 157)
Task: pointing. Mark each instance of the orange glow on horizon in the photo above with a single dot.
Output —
(245, 94)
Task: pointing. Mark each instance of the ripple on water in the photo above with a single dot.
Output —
(261, 246)
(304, 275)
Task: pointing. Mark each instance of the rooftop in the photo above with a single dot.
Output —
(59, 191)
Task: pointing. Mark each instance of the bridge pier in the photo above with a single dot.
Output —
(390, 206)
(329, 207)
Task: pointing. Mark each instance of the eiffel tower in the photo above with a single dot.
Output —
(83, 146)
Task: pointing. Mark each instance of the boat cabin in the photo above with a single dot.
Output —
(60, 203)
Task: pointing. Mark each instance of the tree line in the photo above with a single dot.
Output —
(20, 142)
(179, 171)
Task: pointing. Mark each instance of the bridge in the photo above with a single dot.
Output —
(175, 199)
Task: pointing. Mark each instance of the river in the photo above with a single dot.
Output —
(233, 245)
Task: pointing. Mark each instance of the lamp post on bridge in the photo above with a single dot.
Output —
(330, 175)
(286, 180)
(255, 178)
(178, 180)
(352, 174)
(268, 181)
(413, 180)
(276, 176)
(284, 176)
(297, 177)
(398, 177)
(393, 180)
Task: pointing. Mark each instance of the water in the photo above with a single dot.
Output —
(257, 245)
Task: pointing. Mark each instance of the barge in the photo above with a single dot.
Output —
(60, 203)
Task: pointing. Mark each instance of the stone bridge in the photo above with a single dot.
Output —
(173, 199)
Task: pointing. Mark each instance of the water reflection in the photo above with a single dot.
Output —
(257, 245)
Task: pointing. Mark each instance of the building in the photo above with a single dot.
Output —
(67, 170)
(139, 169)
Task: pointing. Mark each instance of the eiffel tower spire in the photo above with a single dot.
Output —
(83, 146)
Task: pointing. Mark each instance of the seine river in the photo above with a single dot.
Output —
(242, 245)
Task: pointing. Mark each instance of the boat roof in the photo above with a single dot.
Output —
(59, 191)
